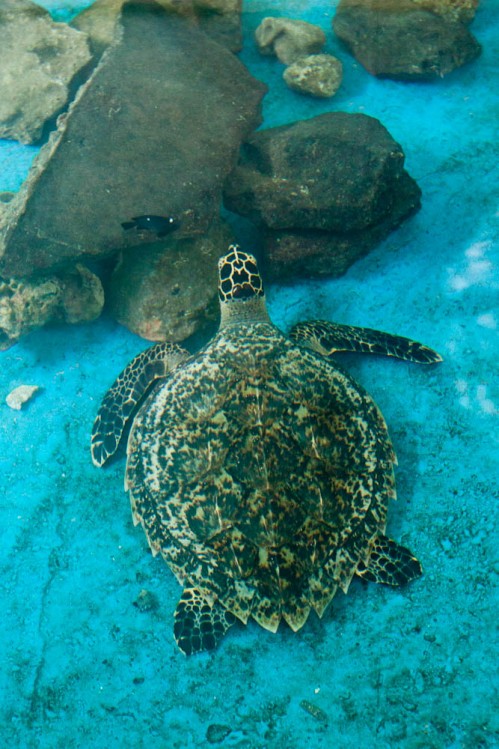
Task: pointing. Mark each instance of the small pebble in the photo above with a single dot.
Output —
(21, 395)
(146, 601)
(216, 733)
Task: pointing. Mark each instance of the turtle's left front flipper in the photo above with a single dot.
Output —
(328, 338)
(124, 396)
(390, 563)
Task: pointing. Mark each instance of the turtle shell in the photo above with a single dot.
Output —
(261, 472)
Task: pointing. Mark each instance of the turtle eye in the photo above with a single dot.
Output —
(256, 283)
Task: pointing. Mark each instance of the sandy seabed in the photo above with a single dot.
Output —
(412, 668)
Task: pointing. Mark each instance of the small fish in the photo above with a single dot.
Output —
(314, 711)
(160, 225)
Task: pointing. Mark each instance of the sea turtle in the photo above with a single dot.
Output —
(258, 468)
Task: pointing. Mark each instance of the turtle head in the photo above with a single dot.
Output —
(240, 287)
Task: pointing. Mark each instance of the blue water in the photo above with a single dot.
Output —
(83, 667)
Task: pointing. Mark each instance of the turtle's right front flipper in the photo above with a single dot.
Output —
(327, 338)
(122, 399)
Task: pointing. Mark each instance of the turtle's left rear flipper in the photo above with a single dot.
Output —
(390, 564)
(198, 624)
(328, 338)
(122, 399)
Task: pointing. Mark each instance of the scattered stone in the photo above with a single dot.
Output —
(288, 39)
(398, 39)
(168, 290)
(324, 192)
(76, 296)
(219, 19)
(154, 131)
(21, 395)
(38, 60)
(216, 733)
(146, 601)
(317, 75)
(455, 10)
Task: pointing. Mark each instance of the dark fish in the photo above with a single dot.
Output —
(160, 225)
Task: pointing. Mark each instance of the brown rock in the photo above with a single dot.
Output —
(398, 39)
(75, 296)
(38, 60)
(155, 130)
(324, 191)
(168, 290)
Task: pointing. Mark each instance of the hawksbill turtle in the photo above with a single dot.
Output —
(259, 469)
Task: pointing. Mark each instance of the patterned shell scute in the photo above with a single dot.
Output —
(261, 472)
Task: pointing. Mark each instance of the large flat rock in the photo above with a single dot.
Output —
(219, 19)
(155, 130)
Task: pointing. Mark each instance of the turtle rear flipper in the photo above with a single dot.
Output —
(122, 399)
(390, 564)
(199, 625)
(328, 338)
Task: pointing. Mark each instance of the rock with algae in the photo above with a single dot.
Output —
(25, 305)
(38, 60)
(154, 131)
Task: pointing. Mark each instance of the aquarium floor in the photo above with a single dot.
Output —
(83, 666)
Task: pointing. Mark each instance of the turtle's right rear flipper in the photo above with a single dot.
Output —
(122, 399)
(390, 563)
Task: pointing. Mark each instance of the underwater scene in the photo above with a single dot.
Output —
(249, 297)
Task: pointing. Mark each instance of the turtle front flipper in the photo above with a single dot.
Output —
(123, 397)
(328, 338)
(390, 563)
(199, 625)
